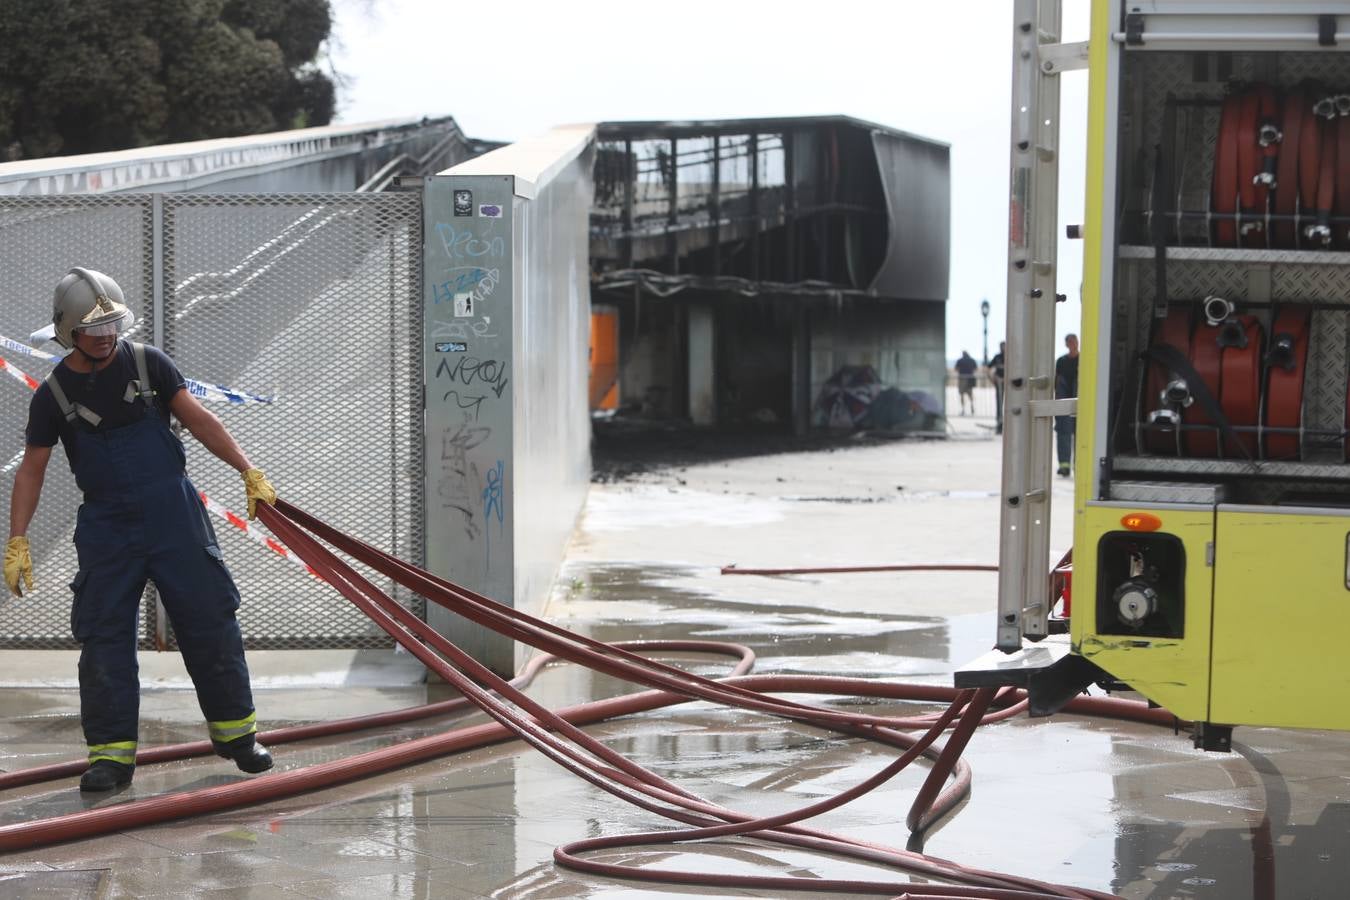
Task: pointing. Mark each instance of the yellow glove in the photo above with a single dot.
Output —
(256, 486)
(18, 564)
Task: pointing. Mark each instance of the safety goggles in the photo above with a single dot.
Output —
(102, 330)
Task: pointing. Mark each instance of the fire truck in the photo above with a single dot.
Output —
(1210, 570)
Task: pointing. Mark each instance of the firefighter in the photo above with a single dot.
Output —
(108, 402)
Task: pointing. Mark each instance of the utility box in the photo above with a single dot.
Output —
(506, 325)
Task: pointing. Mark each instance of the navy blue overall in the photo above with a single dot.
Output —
(143, 519)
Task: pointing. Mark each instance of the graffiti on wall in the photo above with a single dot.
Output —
(468, 306)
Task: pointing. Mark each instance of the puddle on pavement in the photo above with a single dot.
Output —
(655, 506)
(631, 602)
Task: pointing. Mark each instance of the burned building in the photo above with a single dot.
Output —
(738, 266)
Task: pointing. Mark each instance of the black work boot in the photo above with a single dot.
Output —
(104, 775)
(249, 755)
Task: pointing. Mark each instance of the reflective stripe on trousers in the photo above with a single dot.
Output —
(123, 752)
(233, 729)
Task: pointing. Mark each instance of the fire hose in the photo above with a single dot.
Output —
(557, 735)
(1280, 176)
(733, 569)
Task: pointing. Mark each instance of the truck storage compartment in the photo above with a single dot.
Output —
(1231, 297)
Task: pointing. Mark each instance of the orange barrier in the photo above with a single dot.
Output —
(604, 383)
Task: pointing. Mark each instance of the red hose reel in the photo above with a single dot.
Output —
(1229, 354)
(1281, 170)
(1281, 177)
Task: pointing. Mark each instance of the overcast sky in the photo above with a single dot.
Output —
(509, 69)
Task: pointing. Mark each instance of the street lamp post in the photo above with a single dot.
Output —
(984, 311)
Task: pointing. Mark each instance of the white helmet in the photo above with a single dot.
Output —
(86, 300)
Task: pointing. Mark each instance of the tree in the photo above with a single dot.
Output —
(82, 76)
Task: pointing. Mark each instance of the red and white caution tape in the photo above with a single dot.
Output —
(32, 384)
(256, 534)
(19, 374)
(199, 389)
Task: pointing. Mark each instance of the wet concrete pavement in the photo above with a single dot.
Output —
(1117, 807)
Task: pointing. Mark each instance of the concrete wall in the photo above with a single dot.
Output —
(702, 366)
(753, 364)
(551, 341)
(507, 317)
(650, 367)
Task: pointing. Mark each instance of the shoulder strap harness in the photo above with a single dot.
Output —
(138, 387)
(141, 386)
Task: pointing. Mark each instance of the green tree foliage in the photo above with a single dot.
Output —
(82, 76)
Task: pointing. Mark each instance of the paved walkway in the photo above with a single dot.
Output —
(1122, 808)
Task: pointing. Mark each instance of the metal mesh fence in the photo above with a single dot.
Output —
(40, 239)
(314, 299)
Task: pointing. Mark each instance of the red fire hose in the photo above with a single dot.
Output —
(733, 569)
(1251, 194)
(1206, 356)
(1309, 168)
(1325, 196)
(1240, 386)
(1285, 203)
(1284, 383)
(1224, 193)
(557, 736)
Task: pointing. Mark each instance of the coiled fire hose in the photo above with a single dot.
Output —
(557, 735)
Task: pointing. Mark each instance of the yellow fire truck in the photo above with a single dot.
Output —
(1210, 569)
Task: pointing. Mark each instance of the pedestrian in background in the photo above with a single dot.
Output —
(966, 367)
(108, 403)
(1066, 385)
(995, 370)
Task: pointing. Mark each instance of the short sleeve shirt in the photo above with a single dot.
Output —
(103, 394)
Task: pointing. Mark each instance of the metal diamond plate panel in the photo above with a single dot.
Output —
(315, 299)
(1326, 284)
(1195, 272)
(1326, 68)
(1193, 281)
(1300, 258)
(1156, 76)
(1167, 465)
(1324, 388)
(1197, 129)
(1166, 492)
